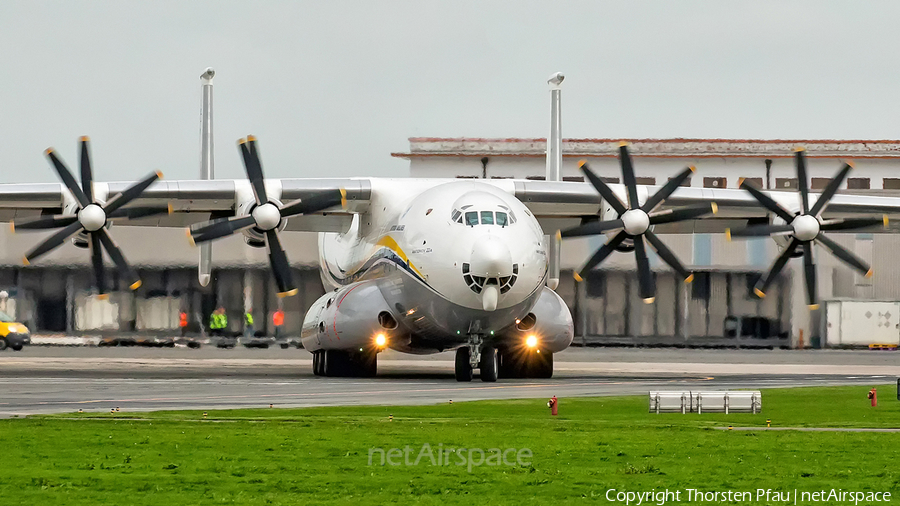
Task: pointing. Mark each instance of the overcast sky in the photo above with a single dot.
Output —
(332, 88)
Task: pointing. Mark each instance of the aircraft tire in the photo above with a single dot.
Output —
(317, 358)
(2, 344)
(463, 368)
(366, 364)
(542, 366)
(489, 364)
(17, 347)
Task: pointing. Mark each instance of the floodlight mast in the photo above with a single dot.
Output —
(207, 170)
(554, 166)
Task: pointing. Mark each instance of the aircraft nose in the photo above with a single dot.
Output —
(491, 260)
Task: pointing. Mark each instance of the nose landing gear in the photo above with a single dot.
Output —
(477, 355)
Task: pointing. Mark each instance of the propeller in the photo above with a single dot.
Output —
(92, 218)
(266, 216)
(806, 228)
(634, 222)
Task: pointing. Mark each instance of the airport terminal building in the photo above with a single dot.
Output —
(717, 309)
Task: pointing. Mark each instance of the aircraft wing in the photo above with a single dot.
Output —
(561, 204)
(194, 201)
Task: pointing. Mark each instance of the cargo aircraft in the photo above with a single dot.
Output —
(430, 265)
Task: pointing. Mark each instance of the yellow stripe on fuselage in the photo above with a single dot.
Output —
(389, 243)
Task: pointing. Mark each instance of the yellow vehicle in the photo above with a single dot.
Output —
(13, 334)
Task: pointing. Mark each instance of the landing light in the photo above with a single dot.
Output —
(531, 341)
(380, 340)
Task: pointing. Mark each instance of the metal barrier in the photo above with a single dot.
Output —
(738, 401)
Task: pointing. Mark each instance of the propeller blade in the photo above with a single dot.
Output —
(645, 276)
(809, 271)
(830, 190)
(767, 202)
(668, 257)
(125, 271)
(130, 193)
(593, 228)
(628, 175)
(669, 188)
(67, 178)
(845, 255)
(759, 231)
(134, 213)
(220, 228)
(44, 222)
(86, 176)
(97, 263)
(601, 254)
(52, 242)
(253, 166)
(683, 213)
(803, 182)
(763, 284)
(281, 269)
(318, 202)
(602, 188)
(852, 223)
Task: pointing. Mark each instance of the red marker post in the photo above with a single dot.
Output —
(873, 396)
(553, 404)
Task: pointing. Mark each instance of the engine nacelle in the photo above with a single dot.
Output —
(253, 236)
(549, 322)
(350, 318)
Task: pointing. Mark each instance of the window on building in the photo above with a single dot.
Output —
(686, 182)
(858, 183)
(610, 180)
(782, 183)
(596, 284)
(646, 180)
(819, 183)
(537, 178)
(714, 182)
(891, 183)
(576, 179)
(755, 181)
(700, 287)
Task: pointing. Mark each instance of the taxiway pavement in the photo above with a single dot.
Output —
(66, 379)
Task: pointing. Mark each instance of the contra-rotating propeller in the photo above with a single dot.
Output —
(634, 222)
(805, 228)
(91, 217)
(266, 216)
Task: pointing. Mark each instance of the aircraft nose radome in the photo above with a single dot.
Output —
(491, 258)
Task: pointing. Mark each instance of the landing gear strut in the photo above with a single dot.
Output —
(475, 354)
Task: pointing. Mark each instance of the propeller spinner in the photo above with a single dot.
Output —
(634, 222)
(806, 228)
(91, 217)
(266, 216)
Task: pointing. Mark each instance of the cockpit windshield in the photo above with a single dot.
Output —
(472, 218)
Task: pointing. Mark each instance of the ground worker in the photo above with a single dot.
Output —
(183, 322)
(278, 321)
(248, 323)
(218, 322)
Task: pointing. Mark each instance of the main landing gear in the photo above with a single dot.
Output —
(339, 363)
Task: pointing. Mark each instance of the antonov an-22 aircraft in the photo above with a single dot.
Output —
(429, 265)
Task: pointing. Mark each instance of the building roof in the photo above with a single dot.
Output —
(421, 147)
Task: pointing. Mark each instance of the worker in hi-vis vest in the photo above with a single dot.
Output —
(183, 322)
(248, 323)
(218, 322)
(278, 321)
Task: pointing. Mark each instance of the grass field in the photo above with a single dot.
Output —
(321, 455)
